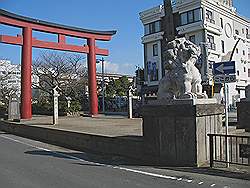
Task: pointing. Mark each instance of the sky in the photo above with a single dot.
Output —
(126, 50)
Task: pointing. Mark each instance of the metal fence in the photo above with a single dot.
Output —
(229, 149)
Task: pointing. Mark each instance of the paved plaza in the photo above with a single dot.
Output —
(111, 126)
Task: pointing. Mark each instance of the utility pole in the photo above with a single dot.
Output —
(103, 92)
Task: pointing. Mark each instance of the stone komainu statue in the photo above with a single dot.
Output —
(182, 79)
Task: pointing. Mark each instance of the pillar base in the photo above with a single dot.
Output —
(243, 115)
(176, 134)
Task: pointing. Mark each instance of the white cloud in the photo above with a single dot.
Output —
(120, 68)
(125, 68)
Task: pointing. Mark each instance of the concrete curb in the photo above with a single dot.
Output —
(132, 148)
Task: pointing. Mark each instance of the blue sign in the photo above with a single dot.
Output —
(224, 68)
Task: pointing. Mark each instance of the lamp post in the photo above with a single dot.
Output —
(103, 93)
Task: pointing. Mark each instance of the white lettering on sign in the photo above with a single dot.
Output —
(224, 78)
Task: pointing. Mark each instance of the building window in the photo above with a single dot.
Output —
(248, 72)
(243, 52)
(236, 32)
(244, 69)
(210, 41)
(157, 26)
(146, 29)
(223, 46)
(238, 73)
(155, 50)
(237, 51)
(221, 23)
(242, 31)
(209, 16)
(152, 27)
(247, 31)
(192, 38)
(197, 15)
(184, 18)
(190, 16)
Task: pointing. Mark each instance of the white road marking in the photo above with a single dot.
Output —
(212, 185)
(200, 183)
(105, 165)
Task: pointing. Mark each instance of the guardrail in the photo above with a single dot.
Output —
(229, 149)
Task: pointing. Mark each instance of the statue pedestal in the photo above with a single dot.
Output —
(243, 115)
(175, 133)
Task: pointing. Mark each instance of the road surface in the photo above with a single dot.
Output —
(26, 163)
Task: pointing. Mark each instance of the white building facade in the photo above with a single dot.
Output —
(152, 39)
(216, 27)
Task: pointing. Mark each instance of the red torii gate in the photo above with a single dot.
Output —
(27, 42)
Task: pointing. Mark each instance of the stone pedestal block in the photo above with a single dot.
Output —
(176, 134)
(243, 115)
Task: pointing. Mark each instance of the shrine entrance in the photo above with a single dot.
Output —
(27, 42)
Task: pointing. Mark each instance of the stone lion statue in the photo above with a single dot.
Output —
(182, 78)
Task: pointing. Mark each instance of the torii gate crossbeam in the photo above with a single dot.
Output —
(27, 42)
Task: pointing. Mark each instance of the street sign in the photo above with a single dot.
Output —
(223, 68)
(224, 72)
(224, 78)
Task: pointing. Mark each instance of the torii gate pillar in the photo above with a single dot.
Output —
(26, 91)
(92, 77)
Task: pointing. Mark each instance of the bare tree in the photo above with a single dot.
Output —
(65, 70)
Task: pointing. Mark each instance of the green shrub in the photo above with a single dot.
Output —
(47, 107)
(41, 107)
(3, 109)
(75, 106)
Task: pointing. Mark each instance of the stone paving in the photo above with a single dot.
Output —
(101, 125)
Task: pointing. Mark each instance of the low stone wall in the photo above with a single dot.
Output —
(128, 147)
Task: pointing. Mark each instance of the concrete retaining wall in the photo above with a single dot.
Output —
(128, 147)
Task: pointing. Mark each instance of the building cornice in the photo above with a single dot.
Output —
(190, 28)
(153, 14)
(186, 6)
(152, 37)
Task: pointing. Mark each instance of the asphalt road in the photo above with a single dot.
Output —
(26, 163)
